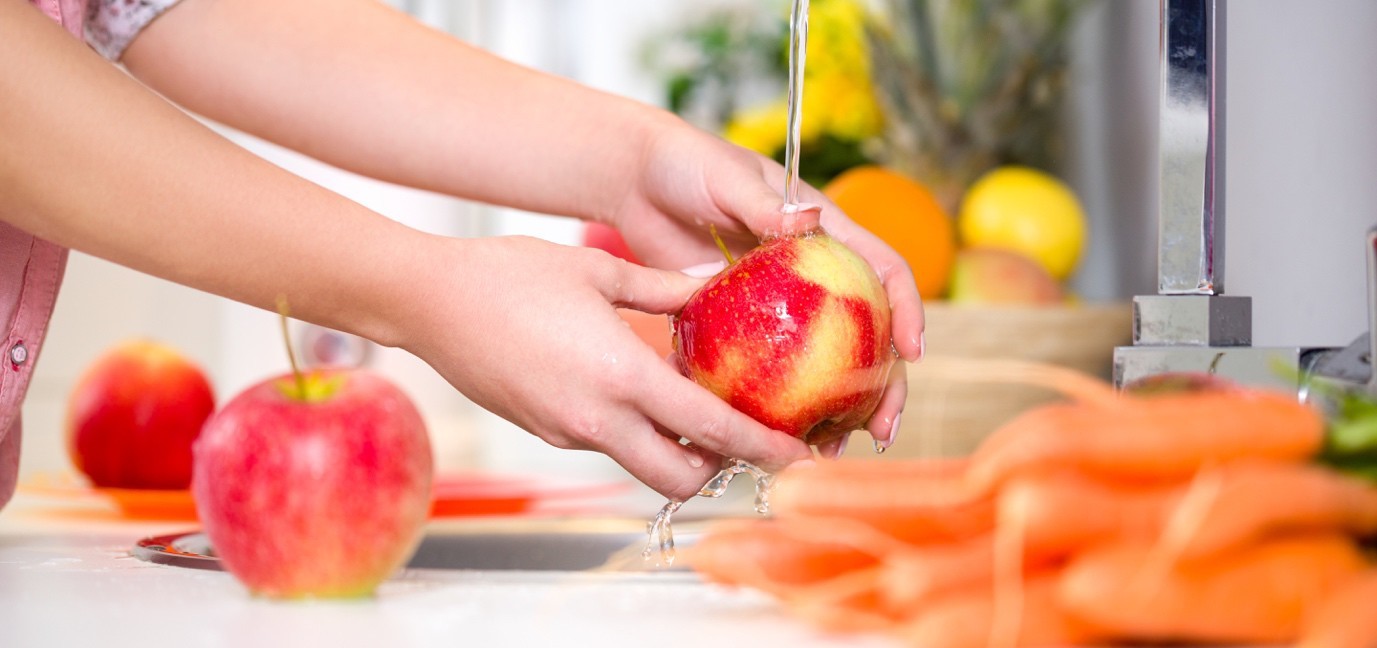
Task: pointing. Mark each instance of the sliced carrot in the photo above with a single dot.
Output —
(1256, 498)
(1065, 511)
(1345, 619)
(764, 555)
(916, 501)
(1165, 436)
(1258, 593)
(966, 618)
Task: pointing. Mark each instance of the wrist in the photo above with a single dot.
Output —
(395, 294)
(645, 133)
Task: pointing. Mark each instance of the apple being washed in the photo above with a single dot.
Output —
(795, 334)
(314, 485)
(134, 414)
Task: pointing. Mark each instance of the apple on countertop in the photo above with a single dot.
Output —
(314, 485)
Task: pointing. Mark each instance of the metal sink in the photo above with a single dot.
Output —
(500, 544)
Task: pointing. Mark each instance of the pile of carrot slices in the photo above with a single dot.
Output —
(1195, 518)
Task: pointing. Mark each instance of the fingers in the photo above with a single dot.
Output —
(710, 423)
(650, 290)
(884, 423)
(764, 211)
(833, 449)
(665, 465)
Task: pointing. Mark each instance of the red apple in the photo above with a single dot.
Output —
(314, 489)
(795, 334)
(134, 414)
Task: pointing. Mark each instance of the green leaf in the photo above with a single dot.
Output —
(680, 90)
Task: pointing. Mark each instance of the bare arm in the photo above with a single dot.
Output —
(362, 86)
(92, 160)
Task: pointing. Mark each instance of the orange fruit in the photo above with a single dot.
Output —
(903, 213)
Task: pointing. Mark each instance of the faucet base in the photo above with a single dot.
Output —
(1269, 367)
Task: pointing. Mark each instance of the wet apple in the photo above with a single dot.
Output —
(796, 334)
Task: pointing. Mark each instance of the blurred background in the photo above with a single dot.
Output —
(1066, 88)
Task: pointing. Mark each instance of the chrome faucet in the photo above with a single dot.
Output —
(1190, 324)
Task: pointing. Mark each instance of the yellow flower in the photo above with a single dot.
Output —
(760, 129)
(855, 113)
(836, 38)
(838, 96)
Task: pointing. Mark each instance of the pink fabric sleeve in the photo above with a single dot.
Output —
(111, 25)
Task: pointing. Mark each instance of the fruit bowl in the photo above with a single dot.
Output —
(944, 417)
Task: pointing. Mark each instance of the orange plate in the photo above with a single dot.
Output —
(131, 503)
(454, 495)
(482, 494)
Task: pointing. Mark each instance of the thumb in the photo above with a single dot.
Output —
(650, 290)
(765, 213)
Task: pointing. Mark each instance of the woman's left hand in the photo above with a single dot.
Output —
(690, 180)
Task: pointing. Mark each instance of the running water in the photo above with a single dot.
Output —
(798, 53)
(660, 530)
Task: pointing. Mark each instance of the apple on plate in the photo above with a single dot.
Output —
(314, 485)
(134, 414)
(795, 333)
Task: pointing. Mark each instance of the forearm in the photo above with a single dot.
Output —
(92, 160)
(364, 87)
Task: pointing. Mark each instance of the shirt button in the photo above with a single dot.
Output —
(19, 354)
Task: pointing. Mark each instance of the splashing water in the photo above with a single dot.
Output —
(661, 529)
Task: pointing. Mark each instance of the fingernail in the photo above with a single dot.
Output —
(694, 459)
(894, 429)
(841, 447)
(800, 217)
(922, 345)
(704, 270)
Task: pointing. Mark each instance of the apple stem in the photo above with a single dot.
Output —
(291, 354)
(720, 244)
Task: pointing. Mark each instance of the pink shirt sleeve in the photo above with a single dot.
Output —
(30, 272)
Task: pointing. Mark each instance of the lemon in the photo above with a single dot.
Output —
(1028, 211)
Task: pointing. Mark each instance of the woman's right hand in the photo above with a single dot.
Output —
(529, 330)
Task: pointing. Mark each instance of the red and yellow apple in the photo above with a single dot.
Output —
(796, 334)
(314, 486)
(995, 276)
(134, 414)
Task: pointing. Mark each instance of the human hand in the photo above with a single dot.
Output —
(691, 179)
(527, 329)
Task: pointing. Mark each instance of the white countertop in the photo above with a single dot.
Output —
(73, 582)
